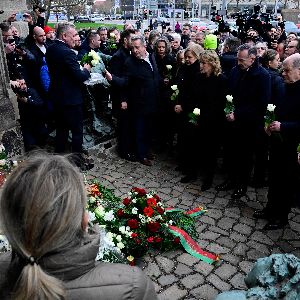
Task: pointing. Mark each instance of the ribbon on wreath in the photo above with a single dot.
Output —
(187, 242)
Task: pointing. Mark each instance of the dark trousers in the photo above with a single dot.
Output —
(124, 133)
(142, 125)
(240, 146)
(69, 118)
(282, 180)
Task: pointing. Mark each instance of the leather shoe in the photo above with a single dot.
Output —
(261, 214)
(188, 178)
(275, 224)
(146, 162)
(206, 185)
(238, 193)
(225, 186)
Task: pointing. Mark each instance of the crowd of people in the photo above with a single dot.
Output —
(169, 90)
(154, 81)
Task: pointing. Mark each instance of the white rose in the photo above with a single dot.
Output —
(92, 53)
(15, 163)
(94, 62)
(196, 111)
(118, 238)
(174, 87)
(109, 216)
(2, 148)
(112, 35)
(122, 229)
(271, 107)
(2, 162)
(92, 216)
(134, 211)
(170, 222)
(169, 67)
(229, 98)
(133, 200)
(109, 236)
(120, 245)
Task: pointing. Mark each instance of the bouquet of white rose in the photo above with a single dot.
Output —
(91, 58)
(229, 108)
(169, 71)
(194, 116)
(270, 114)
(175, 93)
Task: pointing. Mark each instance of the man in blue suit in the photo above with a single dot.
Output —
(65, 91)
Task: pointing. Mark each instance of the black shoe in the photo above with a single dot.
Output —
(225, 186)
(258, 184)
(206, 185)
(261, 214)
(239, 193)
(275, 224)
(188, 178)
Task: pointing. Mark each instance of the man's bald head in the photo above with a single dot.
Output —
(291, 68)
(39, 35)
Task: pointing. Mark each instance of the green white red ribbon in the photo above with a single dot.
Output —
(192, 247)
(187, 242)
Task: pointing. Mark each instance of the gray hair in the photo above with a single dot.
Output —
(41, 210)
(251, 49)
(136, 37)
(63, 28)
(176, 36)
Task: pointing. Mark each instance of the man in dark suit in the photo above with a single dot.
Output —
(141, 95)
(65, 91)
(117, 80)
(250, 86)
(284, 138)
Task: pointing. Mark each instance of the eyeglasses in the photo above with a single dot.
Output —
(262, 48)
(290, 47)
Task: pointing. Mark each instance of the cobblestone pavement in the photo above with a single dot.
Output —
(228, 229)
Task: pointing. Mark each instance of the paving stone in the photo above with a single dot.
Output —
(225, 271)
(218, 230)
(238, 281)
(225, 241)
(207, 220)
(237, 237)
(192, 281)
(203, 268)
(165, 264)
(152, 270)
(182, 269)
(173, 293)
(233, 259)
(209, 235)
(215, 248)
(260, 247)
(221, 202)
(247, 221)
(240, 249)
(285, 246)
(255, 254)
(289, 234)
(214, 213)
(262, 238)
(246, 266)
(167, 280)
(233, 212)
(206, 292)
(172, 254)
(226, 223)
(243, 229)
(157, 287)
(187, 259)
(218, 283)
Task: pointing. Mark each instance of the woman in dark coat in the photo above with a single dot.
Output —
(166, 65)
(212, 89)
(187, 102)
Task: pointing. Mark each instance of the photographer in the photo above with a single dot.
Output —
(31, 109)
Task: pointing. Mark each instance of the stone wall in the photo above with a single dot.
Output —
(10, 134)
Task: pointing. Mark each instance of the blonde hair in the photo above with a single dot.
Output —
(41, 211)
(195, 49)
(212, 58)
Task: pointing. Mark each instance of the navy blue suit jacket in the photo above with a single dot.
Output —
(66, 78)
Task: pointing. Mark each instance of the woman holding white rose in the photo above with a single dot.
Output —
(166, 68)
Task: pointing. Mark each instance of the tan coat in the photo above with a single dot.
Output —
(86, 279)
